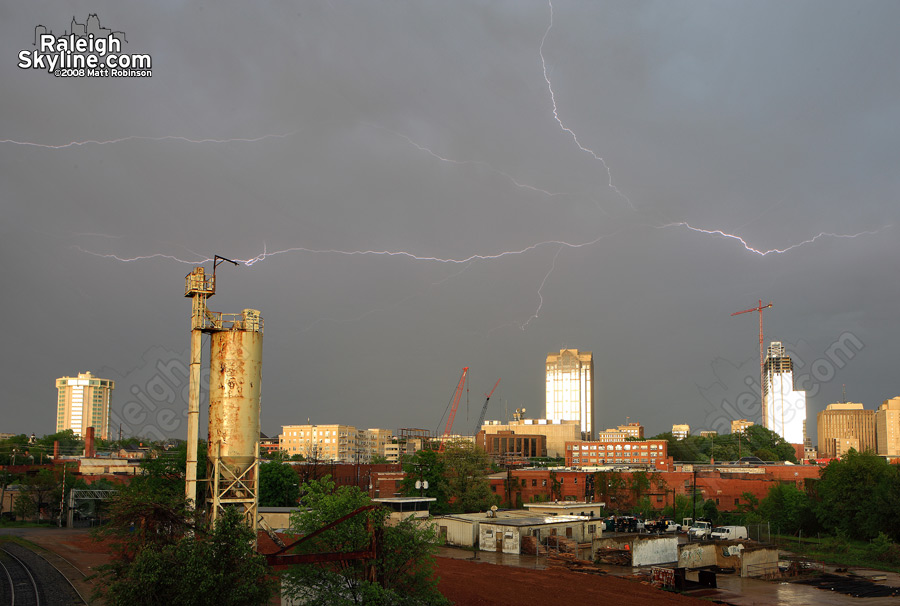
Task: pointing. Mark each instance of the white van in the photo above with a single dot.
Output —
(728, 533)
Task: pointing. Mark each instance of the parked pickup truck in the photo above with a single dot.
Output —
(700, 530)
(728, 533)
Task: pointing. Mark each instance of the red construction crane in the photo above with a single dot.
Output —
(484, 408)
(760, 307)
(456, 396)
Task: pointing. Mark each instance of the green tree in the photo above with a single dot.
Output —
(7, 478)
(25, 506)
(219, 568)
(427, 465)
(466, 470)
(749, 508)
(788, 509)
(379, 460)
(858, 495)
(69, 443)
(43, 487)
(279, 485)
(640, 484)
(166, 472)
(403, 568)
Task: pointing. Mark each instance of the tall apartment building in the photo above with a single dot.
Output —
(887, 428)
(83, 402)
(570, 389)
(784, 408)
(339, 443)
(844, 421)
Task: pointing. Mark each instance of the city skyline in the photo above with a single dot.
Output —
(415, 190)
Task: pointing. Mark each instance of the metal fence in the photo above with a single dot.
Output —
(760, 532)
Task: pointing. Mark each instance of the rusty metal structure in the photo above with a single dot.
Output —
(281, 558)
(234, 391)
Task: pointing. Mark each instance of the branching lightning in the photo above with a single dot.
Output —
(559, 121)
(763, 253)
(465, 261)
(146, 138)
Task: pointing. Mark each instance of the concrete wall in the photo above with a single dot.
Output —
(645, 550)
(755, 556)
(740, 555)
(650, 551)
(695, 555)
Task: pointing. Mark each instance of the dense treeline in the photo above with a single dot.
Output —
(755, 441)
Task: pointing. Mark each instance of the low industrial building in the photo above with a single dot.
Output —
(403, 508)
(505, 535)
(461, 529)
(567, 508)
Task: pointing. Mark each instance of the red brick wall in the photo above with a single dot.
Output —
(728, 488)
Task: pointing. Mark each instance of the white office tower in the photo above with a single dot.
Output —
(570, 389)
(784, 409)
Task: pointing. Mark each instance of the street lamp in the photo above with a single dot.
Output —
(421, 486)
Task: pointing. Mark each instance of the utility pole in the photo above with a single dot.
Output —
(759, 308)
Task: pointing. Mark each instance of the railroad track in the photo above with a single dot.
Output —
(30, 578)
(21, 588)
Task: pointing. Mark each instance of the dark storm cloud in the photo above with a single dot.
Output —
(770, 120)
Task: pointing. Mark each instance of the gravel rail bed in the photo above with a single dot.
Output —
(54, 589)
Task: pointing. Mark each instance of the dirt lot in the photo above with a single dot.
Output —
(465, 582)
(469, 583)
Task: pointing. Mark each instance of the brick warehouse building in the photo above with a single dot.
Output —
(653, 453)
(722, 484)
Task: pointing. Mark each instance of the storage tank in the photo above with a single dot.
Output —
(234, 387)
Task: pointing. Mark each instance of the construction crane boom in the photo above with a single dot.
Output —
(760, 307)
(456, 396)
(484, 408)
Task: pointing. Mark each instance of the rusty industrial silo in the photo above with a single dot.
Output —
(234, 390)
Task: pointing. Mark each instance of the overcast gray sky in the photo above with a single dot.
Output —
(428, 129)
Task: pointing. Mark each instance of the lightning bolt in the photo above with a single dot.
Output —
(145, 138)
(559, 121)
(537, 312)
(144, 257)
(480, 163)
(763, 253)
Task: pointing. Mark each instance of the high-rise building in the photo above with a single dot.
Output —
(841, 422)
(83, 402)
(784, 408)
(570, 389)
(887, 428)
